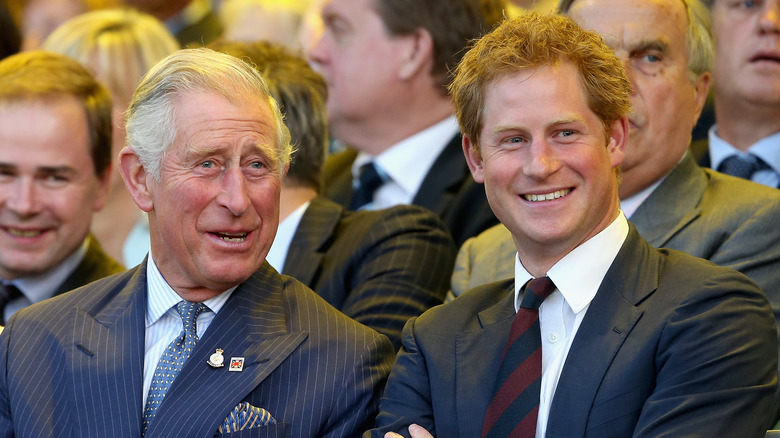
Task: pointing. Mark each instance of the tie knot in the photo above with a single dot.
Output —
(536, 291)
(189, 312)
(742, 166)
(369, 181)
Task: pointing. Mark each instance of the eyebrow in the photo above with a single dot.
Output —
(650, 45)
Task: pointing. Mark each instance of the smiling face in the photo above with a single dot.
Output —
(548, 170)
(213, 214)
(649, 35)
(48, 186)
(747, 52)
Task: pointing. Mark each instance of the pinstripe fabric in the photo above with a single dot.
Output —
(379, 267)
(448, 190)
(316, 371)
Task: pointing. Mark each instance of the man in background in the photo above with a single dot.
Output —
(386, 64)
(55, 160)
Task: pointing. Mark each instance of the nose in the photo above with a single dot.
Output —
(21, 198)
(541, 161)
(234, 195)
(317, 51)
(769, 22)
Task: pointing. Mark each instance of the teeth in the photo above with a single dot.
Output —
(548, 196)
(23, 233)
(230, 237)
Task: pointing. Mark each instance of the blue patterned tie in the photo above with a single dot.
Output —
(172, 360)
(742, 166)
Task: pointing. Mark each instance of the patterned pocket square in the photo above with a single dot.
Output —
(245, 416)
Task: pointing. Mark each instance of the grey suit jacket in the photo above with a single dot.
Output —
(670, 346)
(72, 366)
(379, 267)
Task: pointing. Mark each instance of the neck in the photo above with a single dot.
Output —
(293, 197)
(742, 124)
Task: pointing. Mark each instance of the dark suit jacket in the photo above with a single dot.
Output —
(671, 346)
(700, 149)
(447, 190)
(95, 265)
(379, 267)
(73, 365)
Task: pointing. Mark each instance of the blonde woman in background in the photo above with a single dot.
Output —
(119, 46)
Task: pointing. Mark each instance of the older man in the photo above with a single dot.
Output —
(386, 64)
(746, 140)
(204, 337)
(598, 333)
(55, 160)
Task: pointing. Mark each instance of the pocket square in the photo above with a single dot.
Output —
(245, 416)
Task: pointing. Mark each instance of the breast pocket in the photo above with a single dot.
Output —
(269, 431)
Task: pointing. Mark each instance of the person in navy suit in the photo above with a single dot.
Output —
(263, 355)
(633, 341)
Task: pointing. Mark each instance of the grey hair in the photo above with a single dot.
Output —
(151, 117)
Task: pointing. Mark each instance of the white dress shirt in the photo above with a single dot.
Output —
(405, 164)
(768, 149)
(284, 235)
(163, 323)
(577, 277)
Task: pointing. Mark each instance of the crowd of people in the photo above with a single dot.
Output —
(389, 218)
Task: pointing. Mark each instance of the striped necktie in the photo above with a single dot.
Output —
(515, 405)
(172, 360)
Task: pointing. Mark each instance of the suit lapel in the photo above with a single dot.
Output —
(673, 204)
(443, 179)
(337, 175)
(311, 240)
(612, 315)
(478, 357)
(107, 356)
(252, 325)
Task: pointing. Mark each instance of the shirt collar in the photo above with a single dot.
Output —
(41, 287)
(161, 297)
(579, 273)
(768, 149)
(408, 161)
(284, 236)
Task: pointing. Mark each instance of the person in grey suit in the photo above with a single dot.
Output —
(672, 201)
(380, 267)
(386, 64)
(598, 334)
(55, 158)
(204, 338)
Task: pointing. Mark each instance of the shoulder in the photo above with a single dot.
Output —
(736, 197)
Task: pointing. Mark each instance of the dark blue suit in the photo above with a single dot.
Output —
(73, 365)
(670, 346)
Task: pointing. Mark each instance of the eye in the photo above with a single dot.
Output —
(651, 58)
(207, 164)
(515, 140)
(748, 4)
(567, 133)
(256, 165)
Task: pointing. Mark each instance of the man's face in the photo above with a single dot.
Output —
(360, 63)
(214, 213)
(747, 51)
(650, 36)
(48, 186)
(547, 167)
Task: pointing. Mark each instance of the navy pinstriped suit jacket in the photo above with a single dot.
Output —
(72, 366)
(379, 267)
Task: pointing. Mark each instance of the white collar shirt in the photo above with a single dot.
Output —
(163, 323)
(405, 164)
(577, 277)
(767, 149)
(284, 236)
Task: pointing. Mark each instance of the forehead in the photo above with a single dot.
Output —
(625, 23)
(50, 131)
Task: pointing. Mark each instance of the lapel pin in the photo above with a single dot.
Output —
(236, 364)
(216, 360)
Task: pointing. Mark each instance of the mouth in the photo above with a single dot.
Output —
(546, 196)
(231, 237)
(768, 56)
(18, 232)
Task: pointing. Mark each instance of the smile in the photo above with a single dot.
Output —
(23, 233)
(232, 237)
(547, 196)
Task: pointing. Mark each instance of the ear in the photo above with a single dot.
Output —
(417, 54)
(136, 179)
(104, 185)
(618, 138)
(474, 160)
(701, 89)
